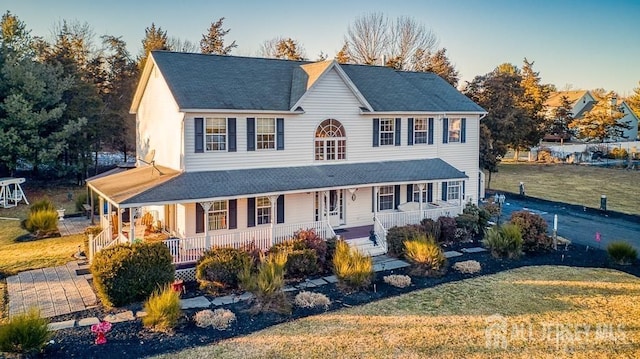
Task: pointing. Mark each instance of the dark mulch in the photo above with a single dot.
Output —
(131, 340)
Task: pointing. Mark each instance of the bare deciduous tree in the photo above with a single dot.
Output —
(368, 38)
(282, 48)
(177, 44)
(407, 38)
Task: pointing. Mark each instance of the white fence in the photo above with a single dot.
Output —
(101, 241)
(393, 219)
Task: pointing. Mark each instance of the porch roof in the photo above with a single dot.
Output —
(121, 186)
(189, 187)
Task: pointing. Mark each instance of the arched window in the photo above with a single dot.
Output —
(330, 141)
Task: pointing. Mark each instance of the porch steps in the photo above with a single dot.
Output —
(365, 246)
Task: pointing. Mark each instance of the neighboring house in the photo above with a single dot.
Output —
(250, 150)
(582, 102)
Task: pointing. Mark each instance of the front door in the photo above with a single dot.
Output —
(333, 206)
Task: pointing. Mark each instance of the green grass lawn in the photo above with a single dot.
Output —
(545, 311)
(581, 185)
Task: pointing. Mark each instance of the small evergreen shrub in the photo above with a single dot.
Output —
(306, 299)
(621, 252)
(302, 263)
(448, 227)
(25, 334)
(218, 268)
(396, 237)
(353, 269)
(163, 310)
(331, 250)
(468, 267)
(220, 319)
(534, 231)
(431, 227)
(267, 283)
(307, 253)
(125, 273)
(397, 280)
(504, 241)
(426, 256)
(314, 242)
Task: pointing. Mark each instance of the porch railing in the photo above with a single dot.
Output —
(392, 219)
(381, 233)
(285, 231)
(101, 241)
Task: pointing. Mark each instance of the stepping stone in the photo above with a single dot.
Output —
(197, 302)
(85, 322)
(227, 299)
(304, 285)
(473, 250)
(451, 254)
(318, 281)
(62, 325)
(120, 317)
(245, 296)
(289, 289)
(141, 314)
(331, 279)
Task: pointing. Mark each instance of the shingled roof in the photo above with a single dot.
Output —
(205, 82)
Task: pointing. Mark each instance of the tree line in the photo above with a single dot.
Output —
(62, 101)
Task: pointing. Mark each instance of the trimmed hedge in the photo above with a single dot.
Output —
(396, 236)
(125, 273)
(218, 268)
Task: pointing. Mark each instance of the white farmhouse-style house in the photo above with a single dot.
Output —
(239, 150)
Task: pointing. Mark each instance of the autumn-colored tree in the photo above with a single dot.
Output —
(282, 48)
(342, 57)
(154, 39)
(213, 41)
(634, 100)
(601, 123)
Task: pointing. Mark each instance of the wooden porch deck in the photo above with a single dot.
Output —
(354, 232)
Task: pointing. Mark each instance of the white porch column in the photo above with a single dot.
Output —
(101, 211)
(119, 213)
(132, 224)
(206, 206)
(421, 187)
(376, 190)
(273, 200)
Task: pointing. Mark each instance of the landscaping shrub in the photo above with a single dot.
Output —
(314, 242)
(534, 231)
(302, 263)
(426, 256)
(25, 334)
(473, 218)
(331, 250)
(163, 310)
(504, 241)
(353, 269)
(218, 268)
(396, 237)
(307, 253)
(43, 223)
(431, 227)
(468, 267)
(125, 273)
(220, 319)
(306, 299)
(618, 153)
(267, 283)
(397, 280)
(447, 229)
(622, 252)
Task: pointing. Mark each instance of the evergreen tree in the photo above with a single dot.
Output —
(559, 124)
(154, 39)
(342, 57)
(213, 41)
(439, 64)
(289, 49)
(634, 100)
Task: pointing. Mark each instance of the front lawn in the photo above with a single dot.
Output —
(575, 184)
(533, 312)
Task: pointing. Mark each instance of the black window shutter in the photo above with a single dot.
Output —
(410, 131)
(430, 129)
(231, 130)
(199, 135)
(251, 134)
(445, 130)
(463, 192)
(396, 195)
(280, 209)
(199, 218)
(376, 132)
(444, 191)
(409, 193)
(251, 212)
(429, 192)
(233, 213)
(398, 124)
(280, 134)
(463, 130)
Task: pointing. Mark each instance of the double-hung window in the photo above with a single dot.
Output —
(420, 128)
(416, 193)
(263, 210)
(387, 132)
(215, 134)
(386, 198)
(453, 190)
(455, 129)
(218, 215)
(265, 133)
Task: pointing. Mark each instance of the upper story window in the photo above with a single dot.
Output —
(265, 133)
(218, 215)
(263, 210)
(215, 134)
(455, 129)
(386, 198)
(387, 132)
(330, 141)
(420, 127)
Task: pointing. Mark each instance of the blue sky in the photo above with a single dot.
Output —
(582, 44)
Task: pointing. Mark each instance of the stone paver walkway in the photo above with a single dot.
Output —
(54, 290)
(73, 225)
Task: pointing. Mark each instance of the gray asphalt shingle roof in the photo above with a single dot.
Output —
(200, 81)
(194, 186)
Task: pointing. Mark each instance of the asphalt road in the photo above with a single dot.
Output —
(578, 224)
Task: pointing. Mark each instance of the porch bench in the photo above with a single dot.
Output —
(87, 210)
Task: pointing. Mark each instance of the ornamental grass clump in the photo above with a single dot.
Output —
(353, 269)
(220, 319)
(306, 299)
(25, 334)
(622, 252)
(468, 267)
(266, 283)
(504, 241)
(42, 219)
(426, 256)
(163, 310)
(398, 280)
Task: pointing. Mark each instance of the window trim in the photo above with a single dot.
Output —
(212, 212)
(390, 195)
(258, 141)
(321, 143)
(260, 205)
(425, 132)
(451, 132)
(416, 193)
(454, 187)
(205, 134)
(390, 131)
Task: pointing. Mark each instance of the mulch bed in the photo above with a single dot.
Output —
(132, 340)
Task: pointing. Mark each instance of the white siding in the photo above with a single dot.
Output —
(360, 211)
(159, 123)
